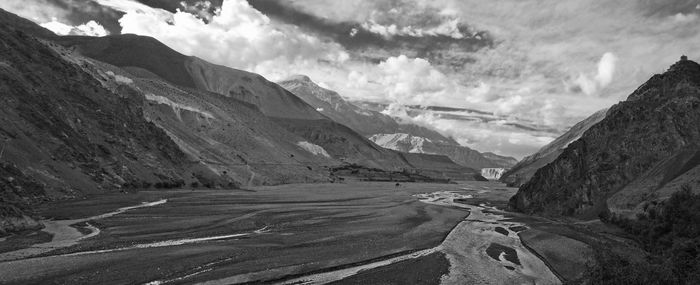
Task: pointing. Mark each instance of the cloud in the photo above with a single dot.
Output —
(68, 12)
(606, 71)
(238, 36)
(497, 134)
(202, 9)
(413, 81)
(449, 28)
(384, 29)
(90, 28)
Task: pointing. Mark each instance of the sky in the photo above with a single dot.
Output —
(544, 64)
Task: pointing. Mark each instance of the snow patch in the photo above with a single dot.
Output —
(312, 148)
(177, 107)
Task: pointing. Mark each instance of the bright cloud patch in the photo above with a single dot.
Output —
(90, 28)
(448, 28)
(413, 81)
(606, 71)
(239, 36)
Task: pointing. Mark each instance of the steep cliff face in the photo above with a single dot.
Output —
(634, 142)
(526, 168)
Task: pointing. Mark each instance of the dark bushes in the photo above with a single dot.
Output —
(670, 232)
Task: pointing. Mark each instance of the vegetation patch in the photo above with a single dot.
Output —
(669, 232)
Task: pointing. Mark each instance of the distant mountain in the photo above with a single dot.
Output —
(413, 144)
(330, 103)
(364, 121)
(385, 131)
(526, 168)
(645, 149)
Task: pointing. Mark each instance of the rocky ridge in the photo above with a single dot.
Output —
(648, 140)
(521, 172)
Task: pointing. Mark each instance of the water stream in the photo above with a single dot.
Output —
(466, 249)
(64, 235)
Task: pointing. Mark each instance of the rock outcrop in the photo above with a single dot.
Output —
(640, 147)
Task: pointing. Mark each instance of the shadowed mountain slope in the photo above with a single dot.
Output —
(67, 131)
(526, 168)
(641, 146)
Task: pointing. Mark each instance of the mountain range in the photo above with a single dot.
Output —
(387, 131)
(87, 115)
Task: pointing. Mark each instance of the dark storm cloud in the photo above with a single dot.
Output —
(367, 44)
(82, 11)
(204, 9)
(663, 8)
(172, 5)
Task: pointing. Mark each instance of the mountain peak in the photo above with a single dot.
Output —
(299, 77)
(684, 64)
(660, 85)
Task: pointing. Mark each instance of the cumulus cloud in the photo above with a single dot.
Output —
(238, 36)
(606, 71)
(73, 13)
(413, 80)
(90, 28)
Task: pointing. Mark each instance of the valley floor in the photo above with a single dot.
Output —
(293, 234)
